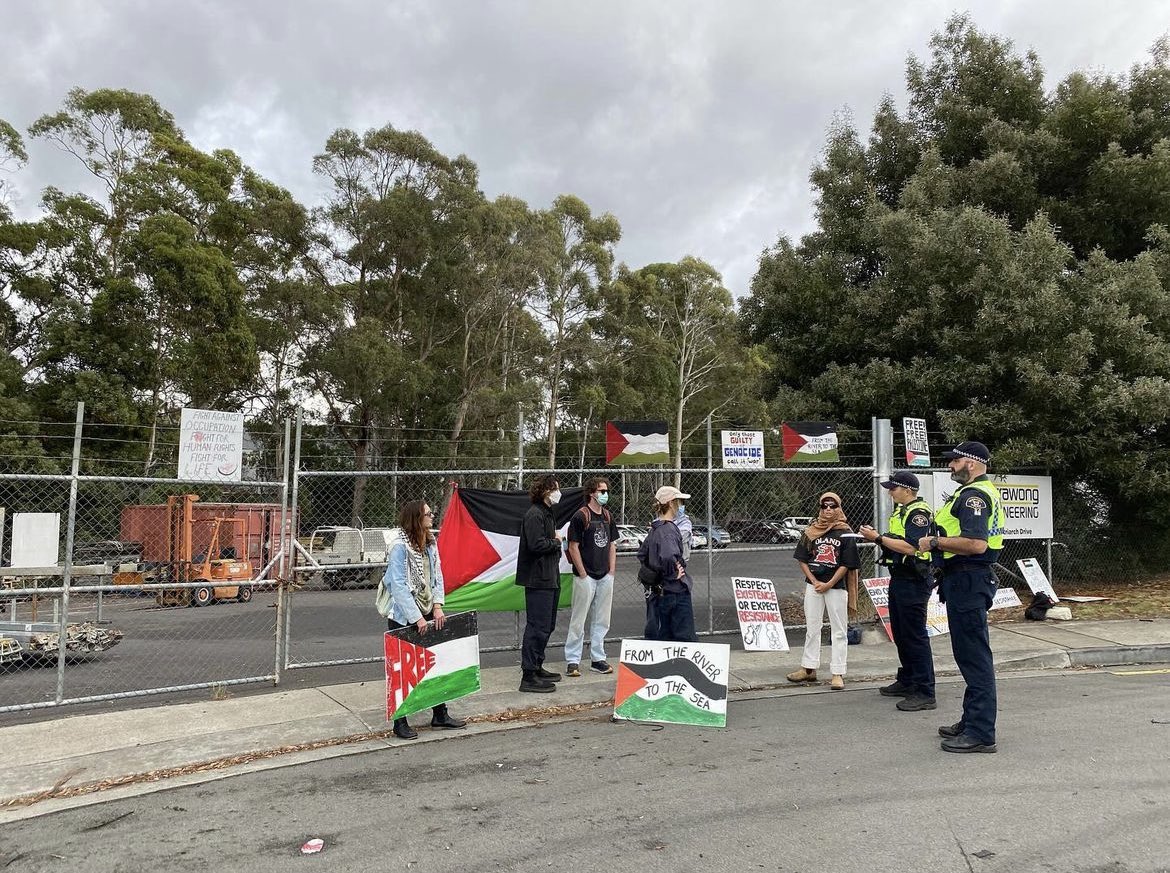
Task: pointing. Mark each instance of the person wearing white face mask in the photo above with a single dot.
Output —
(538, 572)
(593, 554)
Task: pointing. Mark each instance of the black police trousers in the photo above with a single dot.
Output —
(968, 591)
(909, 593)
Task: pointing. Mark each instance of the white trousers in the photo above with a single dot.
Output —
(837, 601)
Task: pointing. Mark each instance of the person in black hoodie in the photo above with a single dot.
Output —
(538, 572)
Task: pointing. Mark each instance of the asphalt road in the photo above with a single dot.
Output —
(796, 782)
(175, 646)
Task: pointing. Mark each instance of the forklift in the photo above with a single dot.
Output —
(227, 577)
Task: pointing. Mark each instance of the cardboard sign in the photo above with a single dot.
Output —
(742, 449)
(675, 683)
(424, 670)
(917, 442)
(758, 610)
(936, 612)
(1035, 577)
(211, 445)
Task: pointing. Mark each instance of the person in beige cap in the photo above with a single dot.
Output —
(670, 614)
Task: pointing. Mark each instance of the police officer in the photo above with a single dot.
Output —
(910, 584)
(970, 537)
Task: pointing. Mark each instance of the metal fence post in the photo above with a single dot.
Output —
(519, 447)
(285, 562)
(285, 628)
(883, 467)
(67, 573)
(710, 535)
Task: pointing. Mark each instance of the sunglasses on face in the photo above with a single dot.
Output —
(602, 490)
(829, 504)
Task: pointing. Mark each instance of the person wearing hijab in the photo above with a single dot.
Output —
(826, 557)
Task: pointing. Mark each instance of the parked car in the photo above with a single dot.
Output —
(627, 540)
(634, 530)
(698, 540)
(756, 531)
(719, 538)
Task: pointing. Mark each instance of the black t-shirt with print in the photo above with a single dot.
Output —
(593, 541)
(828, 552)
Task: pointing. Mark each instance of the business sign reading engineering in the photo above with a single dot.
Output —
(1027, 502)
(743, 449)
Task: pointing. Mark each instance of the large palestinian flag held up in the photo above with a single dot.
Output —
(678, 683)
(424, 670)
(479, 541)
(809, 441)
(634, 443)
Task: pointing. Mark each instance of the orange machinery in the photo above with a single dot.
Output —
(228, 576)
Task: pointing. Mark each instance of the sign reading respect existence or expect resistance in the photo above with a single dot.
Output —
(742, 449)
(211, 445)
(1027, 502)
(758, 610)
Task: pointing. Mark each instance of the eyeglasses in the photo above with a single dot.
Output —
(829, 504)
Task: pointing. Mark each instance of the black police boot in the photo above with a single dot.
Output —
(547, 675)
(403, 730)
(951, 730)
(916, 703)
(895, 689)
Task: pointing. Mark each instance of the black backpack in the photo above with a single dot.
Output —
(1038, 609)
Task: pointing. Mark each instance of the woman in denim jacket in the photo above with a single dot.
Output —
(412, 592)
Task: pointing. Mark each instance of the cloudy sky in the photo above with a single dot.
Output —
(694, 123)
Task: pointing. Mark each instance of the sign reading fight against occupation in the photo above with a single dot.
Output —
(758, 609)
(1035, 577)
(676, 683)
(936, 613)
(211, 445)
(743, 449)
(1027, 502)
(917, 442)
(424, 670)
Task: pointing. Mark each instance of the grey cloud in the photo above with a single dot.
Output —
(695, 123)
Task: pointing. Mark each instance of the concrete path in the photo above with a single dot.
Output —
(79, 759)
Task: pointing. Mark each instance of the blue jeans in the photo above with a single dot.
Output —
(968, 594)
(671, 617)
(592, 602)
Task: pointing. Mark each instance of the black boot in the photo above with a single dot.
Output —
(533, 683)
(547, 675)
(440, 718)
(403, 730)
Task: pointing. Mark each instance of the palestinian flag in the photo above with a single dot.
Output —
(679, 683)
(424, 670)
(636, 443)
(479, 541)
(809, 441)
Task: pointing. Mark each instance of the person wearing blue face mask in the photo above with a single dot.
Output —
(538, 563)
(686, 529)
(593, 554)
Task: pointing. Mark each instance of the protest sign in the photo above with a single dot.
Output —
(211, 445)
(742, 449)
(676, 683)
(936, 612)
(758, 610)
(424, 670)
(1035, 577)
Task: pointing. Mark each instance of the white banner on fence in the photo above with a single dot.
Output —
(1027, 502)
(211, 445)
(917, 442)
(36, 539)
(758, 609)
(743, 449)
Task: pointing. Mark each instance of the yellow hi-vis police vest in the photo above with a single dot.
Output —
(951, 526)
(898, 529)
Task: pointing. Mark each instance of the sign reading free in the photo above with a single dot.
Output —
(743, 449)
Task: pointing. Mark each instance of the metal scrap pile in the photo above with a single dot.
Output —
(83, 638)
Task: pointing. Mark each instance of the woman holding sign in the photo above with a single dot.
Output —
(411, 592)
(827, 552)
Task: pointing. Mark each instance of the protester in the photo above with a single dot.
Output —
(669, 611)
(826, 557)
(593, 554)
(411, 592)
(538, 571)
(686, 529)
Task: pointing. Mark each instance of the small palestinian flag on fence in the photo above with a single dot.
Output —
(679, 683)
(809, 441)
(634, 443)
(424, 670)
(479, 541)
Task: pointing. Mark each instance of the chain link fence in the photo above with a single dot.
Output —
(117, 580)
